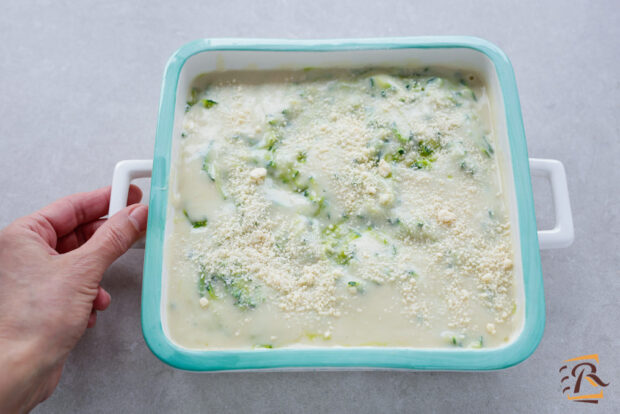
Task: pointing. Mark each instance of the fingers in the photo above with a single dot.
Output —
(83, 232)
(78, 237)
(68, 213)
(92, 319)
(102, 300)
(134, 196)
(113, 238)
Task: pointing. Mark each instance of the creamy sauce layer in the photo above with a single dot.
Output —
(339, 208)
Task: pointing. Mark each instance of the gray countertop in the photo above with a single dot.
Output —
(79, 90)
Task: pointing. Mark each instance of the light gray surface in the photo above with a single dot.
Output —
(79, 90)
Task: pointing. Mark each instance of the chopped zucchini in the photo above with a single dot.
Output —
(213, 172)
(208, 103)
(477, 344)
(195, 223)
(382, 82)
(209, 168)
(355, 286)
(453, 338)
(486, 147)
(193, 99)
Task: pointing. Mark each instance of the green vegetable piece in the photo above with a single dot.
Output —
(435, 80)
(205, 287)
(487, 148)
(421, 163)
(399, 136)
(467, 168)
(271, 139)
(457, 341)
(214, 174)
(202, 286)
(342, 257)
(220, 189)
(382, 82)
(193, 99)
(415, 231)
(266, 346)
(288, 114)
(211, 291)
(288, 174)
(392, 156)
(282, 119)
(209, 168)
(301, 157)
(337, 243)
(477, 344)
(240, 290)
(208, 103)
(243, 291)
(320, 204)
(354, 285)
(195, 223)
(380, 237)
(201, 223)
(426, 148)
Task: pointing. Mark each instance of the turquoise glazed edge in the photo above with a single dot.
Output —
(370, 357)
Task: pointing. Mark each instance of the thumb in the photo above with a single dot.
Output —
(116, 236)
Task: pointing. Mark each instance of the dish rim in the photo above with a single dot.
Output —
(342, 357)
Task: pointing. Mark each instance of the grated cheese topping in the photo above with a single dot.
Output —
(339, 208)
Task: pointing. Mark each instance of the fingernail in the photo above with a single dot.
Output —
(138, 217)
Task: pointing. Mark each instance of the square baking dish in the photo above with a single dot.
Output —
(463, 53)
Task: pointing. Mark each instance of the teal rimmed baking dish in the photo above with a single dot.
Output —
(465, 53)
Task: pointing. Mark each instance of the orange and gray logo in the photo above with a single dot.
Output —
(580, 380)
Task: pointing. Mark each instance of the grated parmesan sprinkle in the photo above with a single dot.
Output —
(325, 190)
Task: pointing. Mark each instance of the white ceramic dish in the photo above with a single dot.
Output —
(459, 53)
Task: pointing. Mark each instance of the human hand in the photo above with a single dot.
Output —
(51, 264)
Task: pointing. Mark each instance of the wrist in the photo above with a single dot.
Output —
(21, 385)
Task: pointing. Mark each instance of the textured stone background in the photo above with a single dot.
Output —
(79, 90)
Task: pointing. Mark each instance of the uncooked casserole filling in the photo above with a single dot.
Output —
(339, 208)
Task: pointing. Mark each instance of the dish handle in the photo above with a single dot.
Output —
(562, 234)
(124, 172)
